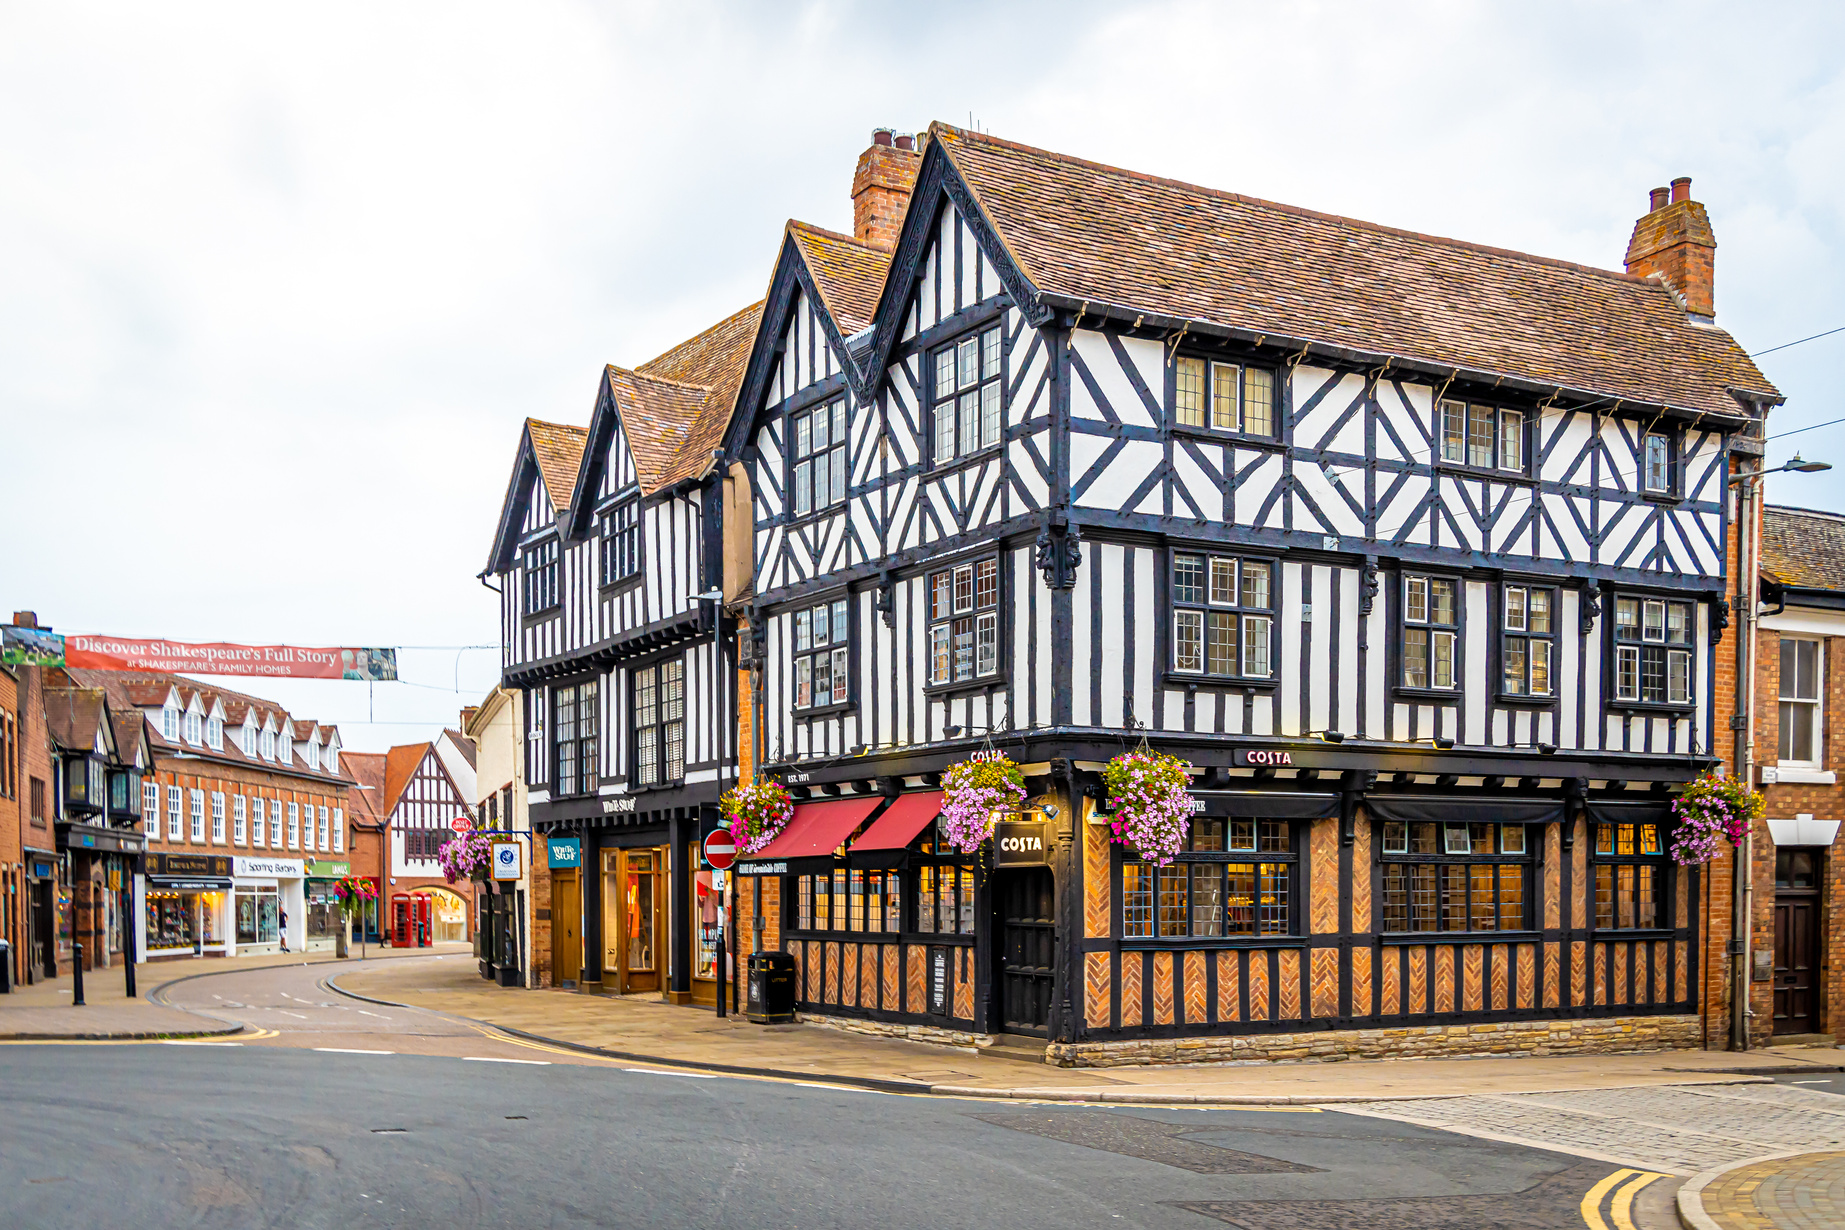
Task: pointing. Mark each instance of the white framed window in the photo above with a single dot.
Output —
(195, 729)
(214, 733)
(1652, 651)
(817, 458)
(1222, 616)
(240, 819)
(150, 808)
(822, 648)
(1223, 396)
(175, 826)
(284, 749)
(294, 825)
(217, 816)
(268, 745)
(258, 835)
(339, 830)
(1526, 643)
(333, 758)
(967, 395)
(310, 752)
(1656, 463)
(1484, 437)
(1802, 674)
(198, 815)
(325, 840)
(1430, 632)
(169, 723)
(275, 824)
(964, 622)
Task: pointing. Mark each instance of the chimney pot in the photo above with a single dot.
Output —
(1673, 242)
(1658, 199)
(907, 141)
(881, 136)
(1681, 189)
(881, 187)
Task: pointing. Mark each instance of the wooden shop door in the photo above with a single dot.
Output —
(566, 928)
(634, 919)
(1026, 953)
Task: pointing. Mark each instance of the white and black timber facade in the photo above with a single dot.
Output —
(1415, 550)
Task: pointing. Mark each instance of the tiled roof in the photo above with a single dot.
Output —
(1803, 548)
(132, 733)
(464, 743)
(849, 272)
(558, 448)
(657, 415)
(72, 716)
(715, 360)
(1103, 236)
(399, 765)
(366, 797)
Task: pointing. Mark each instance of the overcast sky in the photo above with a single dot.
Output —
(279, 283)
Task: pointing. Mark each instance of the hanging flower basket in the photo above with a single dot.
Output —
(1149, 798)
(353, 892)
(756, 812)
(1711, 811)
(973, 793)
(467, 857)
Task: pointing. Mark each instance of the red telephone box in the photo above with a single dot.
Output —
(422, 919)
(400, 921)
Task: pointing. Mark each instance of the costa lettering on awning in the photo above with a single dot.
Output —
(114, 653)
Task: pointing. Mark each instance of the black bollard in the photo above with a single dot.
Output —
(128, 954)
(76, 973)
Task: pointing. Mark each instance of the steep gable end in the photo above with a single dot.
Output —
(542, 485)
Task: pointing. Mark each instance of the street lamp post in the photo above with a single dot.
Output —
(1742, 884)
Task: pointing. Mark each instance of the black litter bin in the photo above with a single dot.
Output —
(771, 988)
(6, 967)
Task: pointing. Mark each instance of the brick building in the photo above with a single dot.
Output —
(427, 787)
(369, 820)
(12, 857)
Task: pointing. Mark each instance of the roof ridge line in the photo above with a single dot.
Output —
(678, 384)
(795, 224)
(1282, 206)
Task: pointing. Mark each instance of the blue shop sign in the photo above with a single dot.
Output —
(565, 851)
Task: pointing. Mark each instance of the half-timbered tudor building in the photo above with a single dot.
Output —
(609, 544)
(1414, 549)
(427, 788)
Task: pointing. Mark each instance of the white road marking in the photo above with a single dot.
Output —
(697, 1076)
(196, 1042)
(379, 1015)
(296, 1015)
(1827, 1081)
(346, 1050)
(543, 1063)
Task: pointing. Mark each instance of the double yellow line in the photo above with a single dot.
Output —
(1625, 1184)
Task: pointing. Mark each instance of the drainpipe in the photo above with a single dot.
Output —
(1742, 888)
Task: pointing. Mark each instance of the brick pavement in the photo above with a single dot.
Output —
(1804, 1192)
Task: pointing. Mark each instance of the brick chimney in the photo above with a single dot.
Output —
(881, 187)
(26, 619)
(1673, 240)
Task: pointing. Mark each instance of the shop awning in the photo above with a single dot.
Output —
(813, 833)
(1652, 811)
(887, 840)
(190, 884)
(1268, 804)
(1447, 809)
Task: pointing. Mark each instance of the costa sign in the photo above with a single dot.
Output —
(1021, 843)
(1265, 758)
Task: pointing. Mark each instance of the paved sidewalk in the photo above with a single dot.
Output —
(643, 1028)
(1805, 1191)
(44, 1011)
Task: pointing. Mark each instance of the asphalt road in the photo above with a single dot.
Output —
(345, 1114)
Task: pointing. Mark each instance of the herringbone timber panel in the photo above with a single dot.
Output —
(1619, 977)
(1096, 911)
(810, 974)
(1361, 879)
(1471, 966)
(1323, 841)
(835, 963)
(1444, 978)
(1601, 972)
(1418, 981)
(1553, 968)
(964, 984)
(887, 966)
(1096, 1011)
(1392, 970)
(1581, 905)
(848, 975)
(868, 976)
(1501, 981)
(1579, 971)
(1289, 974)
(1258, 985)
(1680, 973)
(1229, 978)
(1324, 973)
(1361, 982)
(1130, 988)
(1527, 974)
(915, 990)
(1553, 875)
(1197, 989)
(1162, 988)
(1662, 964)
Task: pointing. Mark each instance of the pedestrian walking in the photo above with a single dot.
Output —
(283, 914)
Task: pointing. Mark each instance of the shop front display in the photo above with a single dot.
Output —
(187, 900)
(258, 916)
(321, 902)
(634, 889)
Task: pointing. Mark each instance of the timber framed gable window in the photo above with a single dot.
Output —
(1652, 651)
(1222, 616)
(1431, 632)
(659, 723)
(817, 455)
(574, 721)
(619, 542)
(1208, 395)
(1234, 878)
(965, 404)
(822, 655)
(540, 564)
(964, 622)
(1455, 877)
(1656, 463)
(1527, 640)
(1631, 869)
(1802, 669)
(1483, 437)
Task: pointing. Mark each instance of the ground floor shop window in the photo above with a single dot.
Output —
(175, 920)
(323, 911)
(1454, 877)
(1630, 877)
(67, 919)
(258, 915)
(1208, 891)
(862, 901)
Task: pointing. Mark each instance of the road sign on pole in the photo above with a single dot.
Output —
(461, 824)
(721, 849)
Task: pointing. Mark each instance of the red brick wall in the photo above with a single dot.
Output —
(12, 787)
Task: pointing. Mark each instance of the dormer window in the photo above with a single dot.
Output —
(310, 752)
(284, 752)
(214, 733)
(248, 742)
(333, 758)
(169, 723)
(268, 745)
(195, 729)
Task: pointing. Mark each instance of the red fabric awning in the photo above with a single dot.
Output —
(898, 827)
(817, 829)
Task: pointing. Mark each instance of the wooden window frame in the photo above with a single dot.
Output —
(1605, 851)
(1451, 628)
(1519, 641)
(1456, 434)
(656, 776)
(572, 744)
(618, 543)
(1816, 703)
(1211, 409)
(947, 415)
(975, 615)
(1395, 849)
(539, 573)
(1242, 846)
(1639, 648)
(834, 653)
(1184, 610)
(807, 892)
(834, 456)
(1643, 477)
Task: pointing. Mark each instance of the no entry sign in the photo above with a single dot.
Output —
(461, 824)
(721, 849)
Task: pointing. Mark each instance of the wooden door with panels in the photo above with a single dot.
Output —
(1796, 987)
(566, 929)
